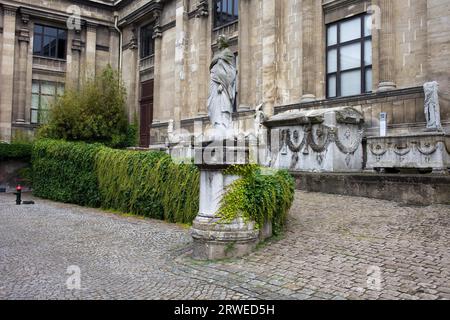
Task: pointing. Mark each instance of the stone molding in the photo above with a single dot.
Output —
(9, 10)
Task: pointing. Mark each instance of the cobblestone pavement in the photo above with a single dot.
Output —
(335, 248)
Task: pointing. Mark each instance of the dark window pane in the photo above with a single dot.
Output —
(53, 48)
(38, 29)
(37, 45)
(52, 32)
(62, 49)
(46, 46)
(226, 12)
(147, 42)
(62, 34)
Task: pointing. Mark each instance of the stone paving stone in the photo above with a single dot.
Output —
(330, 245)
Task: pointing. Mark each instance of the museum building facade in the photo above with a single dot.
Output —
(343, 73)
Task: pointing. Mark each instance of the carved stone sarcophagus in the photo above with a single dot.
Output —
(320, 140)
(428, 150)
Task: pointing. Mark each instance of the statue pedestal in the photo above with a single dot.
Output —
(214, 239)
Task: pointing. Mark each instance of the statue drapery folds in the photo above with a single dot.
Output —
(222, 90)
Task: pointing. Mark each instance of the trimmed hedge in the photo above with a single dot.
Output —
(15, 151)
(65, 172)
(143, 183)
(148, 184)
(151, 184)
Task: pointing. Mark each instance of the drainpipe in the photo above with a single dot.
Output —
(116, 25)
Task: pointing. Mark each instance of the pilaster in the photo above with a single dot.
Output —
(387, 46)
(7, 71)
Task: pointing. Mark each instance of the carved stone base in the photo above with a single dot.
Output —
(386, 86)
(308, 98)
(215, 240)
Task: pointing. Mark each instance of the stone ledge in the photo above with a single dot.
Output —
(363, 99)
(412, 189)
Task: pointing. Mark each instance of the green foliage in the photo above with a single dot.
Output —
(15, 151)
(148, 184)
(143, 183)
(64, 171)
(260, 196)
(96, 112)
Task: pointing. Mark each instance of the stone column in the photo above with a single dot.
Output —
(75, 63)
(180, 58)
(157, 36)
(24, 40)
(387, 46)
(91, 46)
(130, 73)
(7, 71)
(269, 32)
(245, 59)
(201, 31)
(309, 56)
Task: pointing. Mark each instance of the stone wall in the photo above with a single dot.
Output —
(280, 46)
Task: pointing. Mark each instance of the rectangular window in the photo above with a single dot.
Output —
(147, 42)
(226, 12)
(43, 96)
(49, 42)
(349, 57)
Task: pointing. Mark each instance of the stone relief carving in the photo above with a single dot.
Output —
(432, 109)
(426, 148)
(319, 139)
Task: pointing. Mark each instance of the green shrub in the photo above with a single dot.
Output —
(96, 112)
(64, 171)
(261, 195)
(15, 151)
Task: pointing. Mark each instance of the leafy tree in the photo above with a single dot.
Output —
(96, 112)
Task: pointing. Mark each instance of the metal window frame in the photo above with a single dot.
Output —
(218, 21)
(363, 68)
(39, 109)
(57, 38)
(143, 29)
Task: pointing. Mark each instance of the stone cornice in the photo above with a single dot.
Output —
(59, 17)
(337, 4)
(143, 11)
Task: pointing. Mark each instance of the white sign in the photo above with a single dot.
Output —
(383, 124)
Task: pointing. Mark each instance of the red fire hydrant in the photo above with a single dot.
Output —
(18, 194)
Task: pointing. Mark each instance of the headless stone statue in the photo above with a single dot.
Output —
(432, 110)
(222, 91)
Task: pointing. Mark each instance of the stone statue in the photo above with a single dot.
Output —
(432, 110)
(222, 90)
